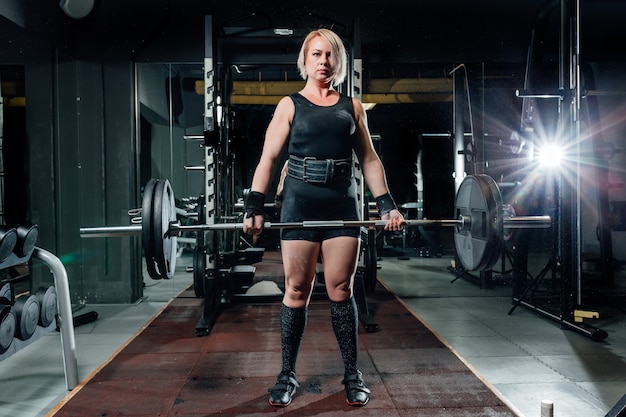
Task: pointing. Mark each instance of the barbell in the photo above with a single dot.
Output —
(478, 227)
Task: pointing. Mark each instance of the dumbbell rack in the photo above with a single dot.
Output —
(64, 321)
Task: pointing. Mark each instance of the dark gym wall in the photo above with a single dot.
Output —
(81, 151)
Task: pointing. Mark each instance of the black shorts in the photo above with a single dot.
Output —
(303, 201)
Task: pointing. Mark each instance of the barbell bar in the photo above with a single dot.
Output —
(176, 229)
(478, 227)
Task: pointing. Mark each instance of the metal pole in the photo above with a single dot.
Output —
(576, 120)
(459, 132)
(65, 320)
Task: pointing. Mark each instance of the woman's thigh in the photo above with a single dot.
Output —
(339, 256)
(299, 261)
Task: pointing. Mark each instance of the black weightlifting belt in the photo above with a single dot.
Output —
(318, 170)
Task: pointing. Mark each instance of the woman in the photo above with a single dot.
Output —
(321, 129)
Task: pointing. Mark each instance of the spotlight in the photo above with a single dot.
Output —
(550, 155)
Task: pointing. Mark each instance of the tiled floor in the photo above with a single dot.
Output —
(525, 357)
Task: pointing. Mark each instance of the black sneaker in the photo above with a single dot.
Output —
(281, 394)
(357, 394)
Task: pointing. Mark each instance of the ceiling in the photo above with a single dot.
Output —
(390, 30)
(396, 36)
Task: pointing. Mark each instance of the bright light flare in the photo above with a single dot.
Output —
(550, 155)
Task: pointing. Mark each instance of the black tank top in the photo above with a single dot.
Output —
(322, 131)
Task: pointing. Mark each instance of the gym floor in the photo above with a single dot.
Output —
(523, 356)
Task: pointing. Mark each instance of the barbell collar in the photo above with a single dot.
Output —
(464, 223)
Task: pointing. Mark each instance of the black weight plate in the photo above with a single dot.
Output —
(47, 297)
(199, 271)
(157, 219)
(7, 328)
(170, 243)
(478, 246)
(26, 309)
(27, 239)
(494, 196)
(7, 294)
(8, 240)
(163, 212)
(146, 228)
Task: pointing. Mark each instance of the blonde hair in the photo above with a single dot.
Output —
(338, 54)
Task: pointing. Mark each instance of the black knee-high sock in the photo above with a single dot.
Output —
(344, 316)
(292, 325)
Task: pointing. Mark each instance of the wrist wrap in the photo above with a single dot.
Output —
(254, 204)
(385, 204)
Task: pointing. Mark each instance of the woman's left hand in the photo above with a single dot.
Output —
(396, 220)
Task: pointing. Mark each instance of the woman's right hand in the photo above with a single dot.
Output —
(396, 220)
(253, 224)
